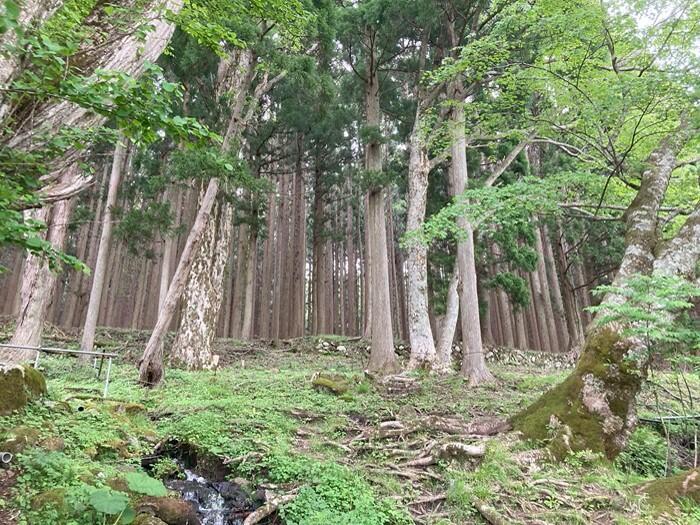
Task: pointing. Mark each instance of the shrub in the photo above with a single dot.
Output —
(645, 454)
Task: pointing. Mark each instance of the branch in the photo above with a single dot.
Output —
(682, 163)
(503, 166)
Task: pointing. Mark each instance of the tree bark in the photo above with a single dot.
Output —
(112, 46)
(98, 280)
(201, 302)
(420, 334)
(37, 285)
(473, 362)
(249, 297)
(151, 365)
(443, 360)
(382, 359)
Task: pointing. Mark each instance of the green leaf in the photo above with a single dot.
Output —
(128, 516)
(108, 501)
(144, 484)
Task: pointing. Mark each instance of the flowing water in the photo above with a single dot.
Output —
(216, 502)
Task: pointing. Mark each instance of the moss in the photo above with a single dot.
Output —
(602, 365)
(51, 499)
(147, 519)
(34, 382)
(53, 444)
(19, 385)
(19, 438)
(663, 494)
(333, 383)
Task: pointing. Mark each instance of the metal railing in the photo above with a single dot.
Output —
(49, 350)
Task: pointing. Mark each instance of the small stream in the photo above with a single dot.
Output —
(216, 500)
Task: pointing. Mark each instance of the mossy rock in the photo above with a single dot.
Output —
(53, 444)
(114, 447)
(51, 499)
(19, 438)
(662, 494)
(171, 511)
(147, 519)
(130, 409)
(18, 386)
(333, 383)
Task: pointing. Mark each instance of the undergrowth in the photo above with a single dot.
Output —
(267, 409)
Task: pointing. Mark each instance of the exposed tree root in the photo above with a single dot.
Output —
(490, 514)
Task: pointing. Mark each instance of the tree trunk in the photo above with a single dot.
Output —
(351, 317)
(367, 277)
(111, 46)
(193, 342)
(572, 311)
(443, 361)
(151, 365)
(98, 280)
(249, 297)
(473, 361)
(382, 359)
(594, 407)
(420, 334)
(298, 273)
(555, 289)
(37, 285)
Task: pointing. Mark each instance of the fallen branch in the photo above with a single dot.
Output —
(272, 503)
(240, 460)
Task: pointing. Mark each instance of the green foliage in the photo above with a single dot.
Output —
(515, 286)
(144, 484)
(166, 468)
(650, 308)
(645, 454)
(507, 207)
(141, 107)
(338, 496)
(108, 501)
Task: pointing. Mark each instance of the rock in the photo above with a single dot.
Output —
(333, 383)
(19, 438)
(169, 510)
(130, 409)
(18, 386)
(147, 519)
(54, 499)
(53, 444)
(342, 349)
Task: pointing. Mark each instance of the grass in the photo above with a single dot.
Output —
(264, 403)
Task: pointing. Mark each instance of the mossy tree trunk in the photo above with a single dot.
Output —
(594, 408)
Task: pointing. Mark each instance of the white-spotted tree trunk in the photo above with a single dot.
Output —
(420, 334)
(203, 292)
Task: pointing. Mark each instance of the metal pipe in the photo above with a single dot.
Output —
(109, 368)
(50, 350)
(5, 457)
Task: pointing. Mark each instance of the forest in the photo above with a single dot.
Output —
(349, 262)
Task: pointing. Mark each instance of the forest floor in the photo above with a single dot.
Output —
(345, 450)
